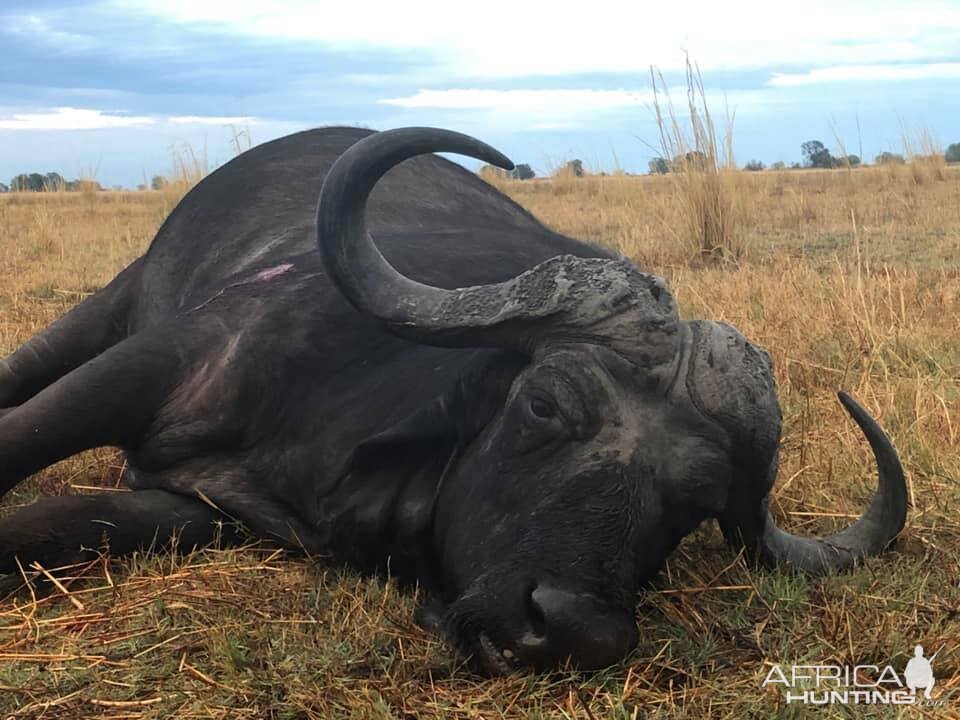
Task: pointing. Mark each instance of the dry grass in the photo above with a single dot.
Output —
(704, 171)
(852, 280)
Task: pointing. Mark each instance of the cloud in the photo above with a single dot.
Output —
(867, 73)
(507, 39)
(484, 110)
(526, 75)
(534, 101)
(35, 26)
(549, 126)
(68, 118)
(211, 120)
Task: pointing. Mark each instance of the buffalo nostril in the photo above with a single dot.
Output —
(535, 615)
(578, 626)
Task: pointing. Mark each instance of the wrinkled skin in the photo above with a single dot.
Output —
(513, 419)
(587, 498)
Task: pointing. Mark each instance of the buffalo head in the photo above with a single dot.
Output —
(616, 429)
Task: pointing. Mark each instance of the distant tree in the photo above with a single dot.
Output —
(158, 182)
(796, 166)
(692, 160)
(850, 160)
(49, 182)
(574, 167)
(4, 188)
(778, 165)
(953, 153)
(522, 172)
(811, 148)
(53, 181)
(889, 158)
(816, 155)
(754, 166)
(32, 182)
(659, 166)
(492, 172)
(82, 184)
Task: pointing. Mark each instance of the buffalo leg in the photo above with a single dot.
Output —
(83, 333)
(109, 400)
(58, 531)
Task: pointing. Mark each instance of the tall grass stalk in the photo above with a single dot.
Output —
(703, 170)
(924, 155)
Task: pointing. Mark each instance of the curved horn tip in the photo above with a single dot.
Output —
(869, 535)
(462, 144)
(853, 408)
(846, 398)
(495, 157)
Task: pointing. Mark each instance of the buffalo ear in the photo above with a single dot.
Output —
(457, 416)
(382, 510)
(730, 380)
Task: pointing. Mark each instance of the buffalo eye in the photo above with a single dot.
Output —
(538, 423)
(541, 408)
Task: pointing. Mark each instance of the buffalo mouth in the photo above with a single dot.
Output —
(484, 655)
(489, 655)
(459, 625)
(491, 660)
(550, 629)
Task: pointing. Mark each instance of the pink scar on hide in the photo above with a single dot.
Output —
(271, 273)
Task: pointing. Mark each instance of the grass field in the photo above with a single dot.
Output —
(851, 279)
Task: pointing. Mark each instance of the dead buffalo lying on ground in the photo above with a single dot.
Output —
(514, 419)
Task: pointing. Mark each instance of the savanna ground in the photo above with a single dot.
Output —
(850, 278)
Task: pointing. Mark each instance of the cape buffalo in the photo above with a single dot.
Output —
(415, 376)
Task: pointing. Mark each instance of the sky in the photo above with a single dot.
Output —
(113, 88)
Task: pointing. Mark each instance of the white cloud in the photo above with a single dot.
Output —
(68, 118)
(547, 109)
(211, 120)
(505, 38)
(551, 108)
(33, 25)
(867, 73)
(553, 126)
(533, 101)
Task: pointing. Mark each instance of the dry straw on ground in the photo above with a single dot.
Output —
(852, 279)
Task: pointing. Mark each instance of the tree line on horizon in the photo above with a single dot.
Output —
(46, 182)
(815, 155)
(55, 182)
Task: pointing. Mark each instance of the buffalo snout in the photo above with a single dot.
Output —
(558, 626)
(578, 626)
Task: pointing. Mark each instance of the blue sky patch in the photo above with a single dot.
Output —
(115, 84)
